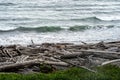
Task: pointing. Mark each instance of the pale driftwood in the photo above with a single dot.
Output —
(53, 50)
(4, 53)
(88, 69)
(16, 65)
(111, 61)
(50, 58)
(73, 55)
(102, 54)
(22, 58)
(113, 45)
(7, 52)
(75, 65)
(28, 63)
(56, 63)
(5, 63)
(81, 67)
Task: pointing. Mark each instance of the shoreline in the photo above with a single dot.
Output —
(58, 56)
(31, 42)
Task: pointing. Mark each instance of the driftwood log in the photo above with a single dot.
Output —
(111, 61)
(28, 63)
(96, 53)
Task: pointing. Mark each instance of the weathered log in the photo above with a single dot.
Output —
(28, 63)
(5, 63)
(111, 61)
(7, 52)
(82, 67)
(102, 54)
(68, 56)
(75, 65)
(22, 58)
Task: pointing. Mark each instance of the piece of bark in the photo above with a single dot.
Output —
(28, 63)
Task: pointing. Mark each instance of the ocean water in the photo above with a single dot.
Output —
(70, 21)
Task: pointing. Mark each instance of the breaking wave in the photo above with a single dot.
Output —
(57, 28)
(7, 4)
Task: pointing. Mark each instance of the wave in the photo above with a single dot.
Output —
(57, 28)
(40, 29)
(7, 4)
(37, 29)
(79, 28)
(96, 19)
(86, 27)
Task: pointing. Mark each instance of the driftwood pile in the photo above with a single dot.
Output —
(48, 57)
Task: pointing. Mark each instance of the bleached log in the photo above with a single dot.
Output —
(28, 63)
(5, 63)
(111, 61)
(102, 54)
(22, 58)
(73, 55)
(75, 65)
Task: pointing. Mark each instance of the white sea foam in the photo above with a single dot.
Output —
(68, 36)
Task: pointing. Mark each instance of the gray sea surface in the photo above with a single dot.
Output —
(70, 21)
